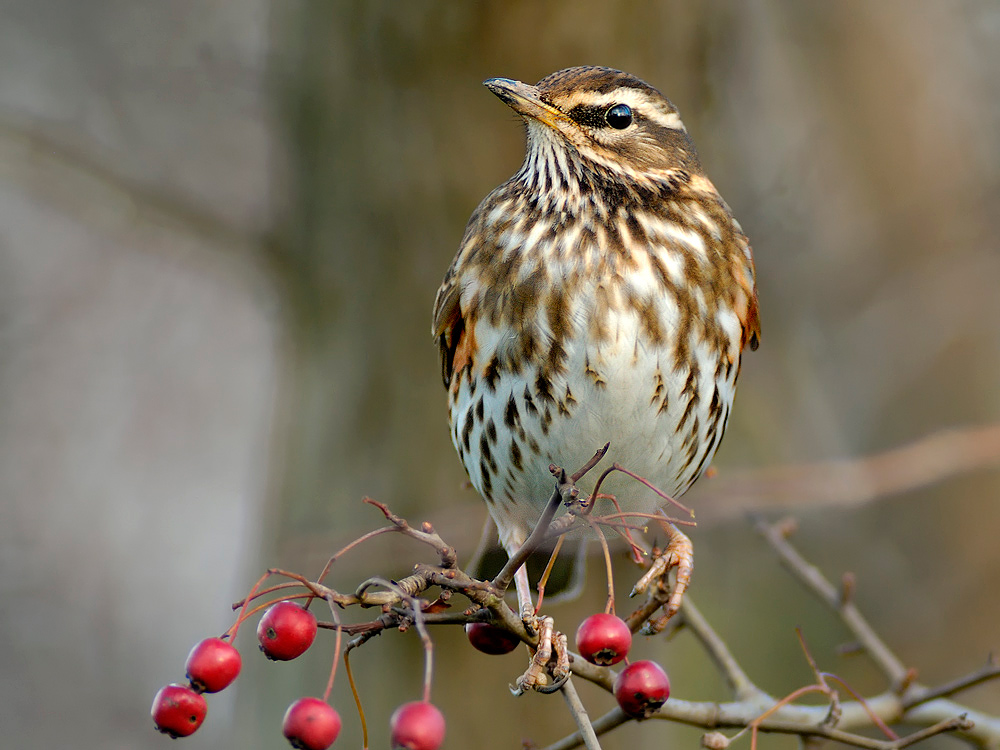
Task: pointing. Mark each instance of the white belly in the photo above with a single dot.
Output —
(663, 417)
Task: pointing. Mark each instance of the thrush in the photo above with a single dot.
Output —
(604, 293)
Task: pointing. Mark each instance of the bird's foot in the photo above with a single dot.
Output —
(549, 667)
(679, 555)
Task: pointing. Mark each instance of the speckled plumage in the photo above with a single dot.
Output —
(603, 293)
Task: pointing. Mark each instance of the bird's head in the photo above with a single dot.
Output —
(608, 117)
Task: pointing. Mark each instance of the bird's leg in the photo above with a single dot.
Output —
(525, 605)
(552, 645)
(679, 554)
(550, 641)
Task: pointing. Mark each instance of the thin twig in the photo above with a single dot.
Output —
(614, 718)
(876, 719)
(580, 716)
(742, 686)
(563, 490)
(426, 534)
(264, 592)
(811, 577)
(922, 695)
(591, 463)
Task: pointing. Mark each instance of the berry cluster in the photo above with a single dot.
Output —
(287, 629)
(212, 665)
(642, 687)
(285, 632)
(602, 639)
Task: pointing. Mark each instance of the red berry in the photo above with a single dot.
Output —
(311, 724)
(641, 688)
(213, 665)
(285, 631)
(603, 639)
(178, 710)
(490, 639)
(417, 726)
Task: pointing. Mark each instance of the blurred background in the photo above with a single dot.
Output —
(222, 226)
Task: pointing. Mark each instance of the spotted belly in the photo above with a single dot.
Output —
(662, 405)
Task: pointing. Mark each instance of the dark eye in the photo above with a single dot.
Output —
(619, 116)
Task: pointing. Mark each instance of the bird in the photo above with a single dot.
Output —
(603, 294)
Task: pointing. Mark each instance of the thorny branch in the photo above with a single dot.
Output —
(751, 710)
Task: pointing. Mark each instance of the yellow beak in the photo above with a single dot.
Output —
(524, 99)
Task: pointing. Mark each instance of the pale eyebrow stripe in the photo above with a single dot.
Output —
(639, 100)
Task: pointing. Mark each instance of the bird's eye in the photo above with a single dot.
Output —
(619, 116)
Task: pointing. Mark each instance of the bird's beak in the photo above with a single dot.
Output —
(523, 98)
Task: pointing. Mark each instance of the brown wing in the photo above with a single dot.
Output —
(751, 326)
(454, 332)
(751, 316)
(454, 328)
(448, 327)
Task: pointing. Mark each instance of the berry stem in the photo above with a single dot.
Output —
(627, 533)
(596, 493)
(658, 516)
(265, 592)
(609, 606)
(352, 545)
(357, 696)
(336, 652)
(244, 615)
(418, 620)
(546, 573)
(654, 488)
(231, 633)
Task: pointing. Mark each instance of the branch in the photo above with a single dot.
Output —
(918, 695)
(564, 492)
(805, 721)
(586, 730)
(850, 482)
(741, 685)
(904, 702)
(897, 674)
(754, 710)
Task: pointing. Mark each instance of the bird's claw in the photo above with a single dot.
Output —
(552, 647)
(679, 554)
(530, 620)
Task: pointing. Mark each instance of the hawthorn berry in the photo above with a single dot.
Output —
(490, 639)
(285, 631)
(178, 710)
(603, 639)
(311, 724)
(641, 688)
(212, 665)
(417, 726)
